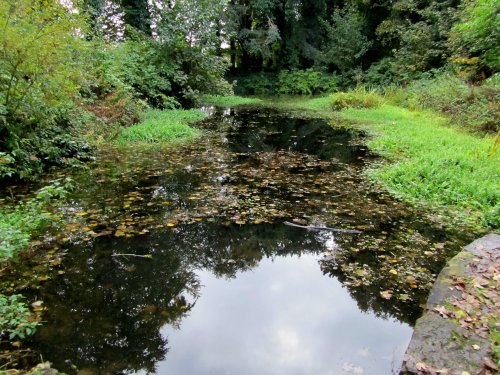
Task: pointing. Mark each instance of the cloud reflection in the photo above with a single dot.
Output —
(283, 318)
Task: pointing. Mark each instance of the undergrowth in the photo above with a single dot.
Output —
(167, 126)
(472, 107)
(357, 98)
(16, 320)
(21, 221)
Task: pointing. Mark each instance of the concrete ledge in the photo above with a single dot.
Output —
(438, 343)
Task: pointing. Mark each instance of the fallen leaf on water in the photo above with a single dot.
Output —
(386, 294)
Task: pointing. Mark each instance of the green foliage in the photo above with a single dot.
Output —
(346, 42)
(380, 73)
(290, 82)
(306, 82)
(6, 165)
(472, 107)
(417, 35)
(478, 31)
(39, 62)
(357, 98)
(20, 222)
(138, 64)
(434, 162)
(15, 318)
(188, 42)
(256, 84)
(168, 126)
(227, 101)
(40, 73)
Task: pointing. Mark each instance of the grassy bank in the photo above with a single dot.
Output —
(433, 162)
(228, 101)
(166, 127)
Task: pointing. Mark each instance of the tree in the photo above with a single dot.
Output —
(40, 47)
(477, 33)
(346, 42)
(418, 32)
(188, 41)
(136, 14)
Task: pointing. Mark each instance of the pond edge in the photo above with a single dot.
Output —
(439, 343)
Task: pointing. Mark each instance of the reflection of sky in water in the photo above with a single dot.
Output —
(284, 317)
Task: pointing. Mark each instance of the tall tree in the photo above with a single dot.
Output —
(346, 42)
(477, 33)
(137, 15)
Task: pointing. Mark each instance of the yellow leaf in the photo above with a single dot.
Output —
(394, 272)
(170, 225)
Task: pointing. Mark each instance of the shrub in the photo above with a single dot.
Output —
(357, 98)
(15, 318)
(256, 84)
(472, 107)
(306, 82)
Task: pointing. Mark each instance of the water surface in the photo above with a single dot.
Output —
(180, 261)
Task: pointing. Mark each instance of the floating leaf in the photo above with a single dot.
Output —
(386, 294)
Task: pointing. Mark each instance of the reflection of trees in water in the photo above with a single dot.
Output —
(410, 285)
(252, 131)
(105, 312)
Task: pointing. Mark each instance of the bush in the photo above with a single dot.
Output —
(472, 107)
(380, 73)
(306, 82)
(15, 318)
(256, 84)
(357, 98)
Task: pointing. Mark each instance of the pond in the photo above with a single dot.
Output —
(183, 260)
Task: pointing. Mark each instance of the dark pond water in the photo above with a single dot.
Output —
(178, 261)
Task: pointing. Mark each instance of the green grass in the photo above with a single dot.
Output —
(166, 127)
(434, 162)
(227, 101)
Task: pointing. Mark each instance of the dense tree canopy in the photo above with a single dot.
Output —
(111, 57)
